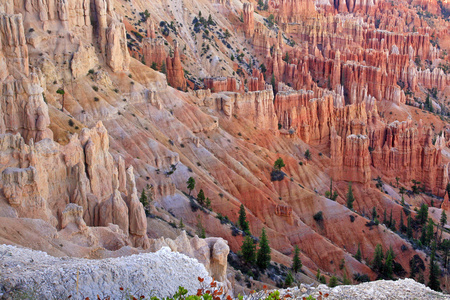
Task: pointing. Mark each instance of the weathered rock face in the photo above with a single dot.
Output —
(99, 161)
(256, 82)
(350, 157)
(23, 109)
(217, 85)
(310, 117)
(137, 218)
(406, 151)
(14, 51)
(175, 73)
(39, 179)
(256, 107)
(83, 60)
(117, 56)
(291, 11)
(73, 214)
(211, 252)
(154, 52)
(249, 19)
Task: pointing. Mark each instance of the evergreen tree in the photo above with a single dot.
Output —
(289, 279)
(384, 217)
(201, 232)
(279, 163)
(390, 220)
(445, 246)
(402, 226)
(248, 250)
(422, 214)
(308, 154)
(263, 255)
(358, 255)
(443, 220)
(190, 184)
(62, 93)
(286, 58)
(144, 200)
(208, 203)
(350, 197)
(181, 225)
(435, 272)
(345, 279)
(243, 223)
(409, 232)
(273, 83)
(296, 262)
(201, 197)
(374, 213)
(333, 282)
(378, 257)
(430, 231)
(393, 226)
(163, 67)
(389, 263)
(423, 236)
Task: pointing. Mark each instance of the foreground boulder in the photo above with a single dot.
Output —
(40, 276)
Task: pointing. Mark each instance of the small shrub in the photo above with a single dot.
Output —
(71, 123)
(95, 88)
(318, 216)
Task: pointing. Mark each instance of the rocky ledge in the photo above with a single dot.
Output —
(403, 289)
(29, 274)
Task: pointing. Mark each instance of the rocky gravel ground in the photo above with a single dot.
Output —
(403, 289)
(28, 274)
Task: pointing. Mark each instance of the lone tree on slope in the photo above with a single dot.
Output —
(190, 184)
(279, 163)
(263, 255)
(243, 223)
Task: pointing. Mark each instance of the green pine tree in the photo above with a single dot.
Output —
(144, 200)
(430, 231)
(389, 263)
(208, 203)
(181, 225)
(422, 215)
(435, 271)
(243, 223)
(263, 255)
(190, 184)
(289, 279)
(378, 257)
(333, 282)
(374, 213)
(273, 83)
(409, 232)
(296, 262)
(279, 163)
(248, 250)
(350, 197)
(201, 197)
(402, 226)
(358, 254)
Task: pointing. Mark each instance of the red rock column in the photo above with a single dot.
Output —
(249, 20)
